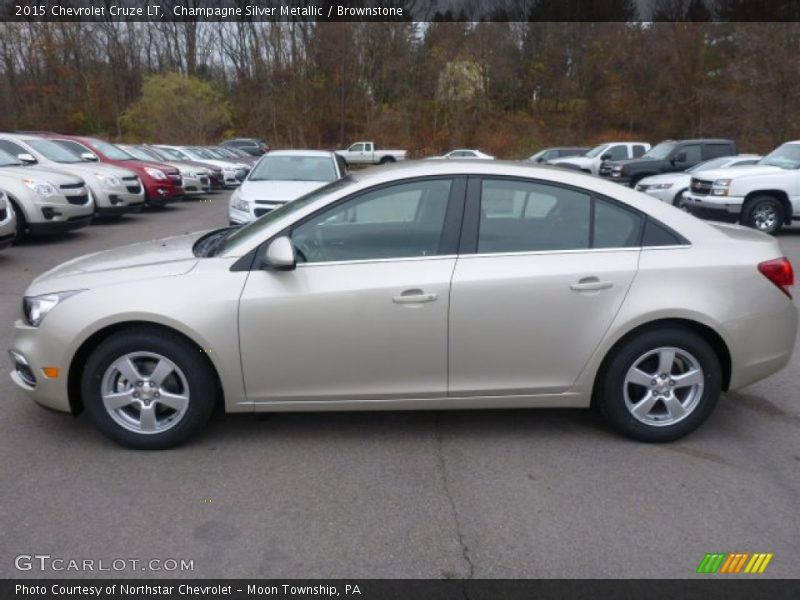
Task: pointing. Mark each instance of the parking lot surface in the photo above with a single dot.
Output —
(480, 494)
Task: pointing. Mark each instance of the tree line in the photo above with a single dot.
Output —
(508, 88)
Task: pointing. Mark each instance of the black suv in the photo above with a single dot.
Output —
(667, 157)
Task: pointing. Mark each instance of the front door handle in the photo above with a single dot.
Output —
(414, 297)
(590, 284)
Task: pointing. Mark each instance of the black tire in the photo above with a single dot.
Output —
(386, 159)
(755, 211)
(677, 201)
(612, 386)
(202, 386)
(22, 224)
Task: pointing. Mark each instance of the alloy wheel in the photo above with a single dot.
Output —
(663, 386)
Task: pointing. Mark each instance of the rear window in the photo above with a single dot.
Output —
(716, 150)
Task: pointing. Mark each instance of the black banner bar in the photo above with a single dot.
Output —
(398, 10)
(711, 588)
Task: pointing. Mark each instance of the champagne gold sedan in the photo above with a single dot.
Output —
(429, 285)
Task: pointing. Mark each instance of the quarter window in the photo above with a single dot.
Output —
(399, 221)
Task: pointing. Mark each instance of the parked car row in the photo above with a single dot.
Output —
(52, 183)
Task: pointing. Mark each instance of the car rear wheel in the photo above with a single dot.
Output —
(148, 389)
(764, 213)
(386, 159)
(660, 385)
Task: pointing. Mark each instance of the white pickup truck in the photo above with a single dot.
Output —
(764, 196)
(591, 161)
(369, 153)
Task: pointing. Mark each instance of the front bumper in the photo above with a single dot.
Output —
(717, 208)
(624, 180)
(119, 199)
(196, 185)
(8, 226)
(29, 344)
(48, 227)
(55, 215)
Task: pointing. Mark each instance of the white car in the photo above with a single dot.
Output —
(465, 154)
(115, 190)
(8, 222)
(232, 173)
(670, 187)
(591, 161)
(280, 177)
(765, 196)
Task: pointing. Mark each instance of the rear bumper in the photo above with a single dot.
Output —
(761, 344)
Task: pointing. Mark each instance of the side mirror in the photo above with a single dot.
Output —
(89, 156)
(605, 156)
(680, 157)
(26, 158)
(280, 255)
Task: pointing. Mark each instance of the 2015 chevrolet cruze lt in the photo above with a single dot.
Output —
(422, 286)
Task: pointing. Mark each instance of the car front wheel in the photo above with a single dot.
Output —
(660, 385)
(148, 389)
(764, 213)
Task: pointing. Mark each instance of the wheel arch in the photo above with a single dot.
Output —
(778, 195)
(83, 352)
(714, 339)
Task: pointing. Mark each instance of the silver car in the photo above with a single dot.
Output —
(429, 285)
(8, 222)
(44, 201)
(670, 187)
(116, 191)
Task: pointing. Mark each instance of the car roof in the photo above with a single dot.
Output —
(320, 153)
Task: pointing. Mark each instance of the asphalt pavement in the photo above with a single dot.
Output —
(484, 494)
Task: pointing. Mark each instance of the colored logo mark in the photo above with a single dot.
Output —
(735, 562)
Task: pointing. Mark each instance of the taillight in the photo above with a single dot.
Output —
(779, 271)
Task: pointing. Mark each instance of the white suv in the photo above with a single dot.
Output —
(764, 196)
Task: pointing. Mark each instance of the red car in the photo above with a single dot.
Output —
(162, 183)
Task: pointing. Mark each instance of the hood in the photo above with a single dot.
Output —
(51, 176)
(141, 164)
(278, 191)
(87, 170)
(736, 172)
(667, 178)
(167, 257)
(578, 161)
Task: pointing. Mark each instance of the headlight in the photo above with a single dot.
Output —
(721, 187)
(43, 188)
(239, 203)
(109, 180)
(659, 186)
(35, 308)
(616, 171)
(155, 173)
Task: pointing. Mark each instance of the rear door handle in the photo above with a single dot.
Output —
(414, 297)
(590, 284)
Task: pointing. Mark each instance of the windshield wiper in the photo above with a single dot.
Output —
(207, 246)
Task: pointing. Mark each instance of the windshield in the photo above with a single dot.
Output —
(714, 163)
(171, 153)
(110, 150)
(785, 157)
(7, 160)
(660, 151)
(200, 153)
(293, 168)
(596, 151)
(252, 231)
(137, 153)
(53, 151)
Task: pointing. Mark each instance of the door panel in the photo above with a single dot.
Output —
(337, 331)
(517, 326)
